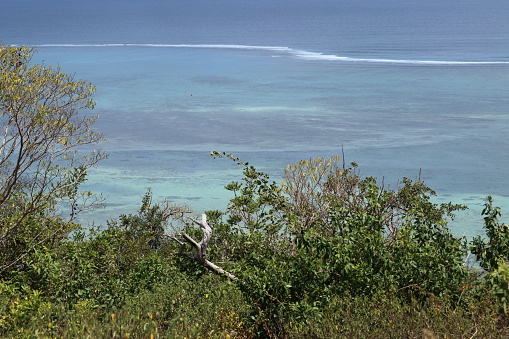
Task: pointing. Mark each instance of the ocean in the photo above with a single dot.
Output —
(402, 86)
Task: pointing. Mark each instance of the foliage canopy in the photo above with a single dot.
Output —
(41, 166)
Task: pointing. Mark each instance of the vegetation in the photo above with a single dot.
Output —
(40, 167)
(326, 254)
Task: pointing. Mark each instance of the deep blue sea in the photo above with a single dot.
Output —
(402, 85)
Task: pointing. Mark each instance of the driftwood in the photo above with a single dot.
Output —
(200, 247)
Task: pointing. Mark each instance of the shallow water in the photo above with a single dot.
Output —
(402, 86)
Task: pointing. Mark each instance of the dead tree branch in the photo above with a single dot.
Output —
(200, 247)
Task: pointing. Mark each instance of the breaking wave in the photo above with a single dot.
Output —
(301, 54)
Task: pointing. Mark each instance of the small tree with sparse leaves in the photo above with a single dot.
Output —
(42, 161)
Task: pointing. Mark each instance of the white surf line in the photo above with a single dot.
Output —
(212, 46)
(331, 57)
(306, 55)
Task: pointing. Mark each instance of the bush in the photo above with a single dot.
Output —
(370, 262)
(328, 232)
(493, 255)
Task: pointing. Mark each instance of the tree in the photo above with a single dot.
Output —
(42, 161)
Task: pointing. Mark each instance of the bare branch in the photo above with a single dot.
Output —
(200, 247)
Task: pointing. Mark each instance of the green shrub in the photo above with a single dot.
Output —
(328, 232)
(493, 255)
(496, 249)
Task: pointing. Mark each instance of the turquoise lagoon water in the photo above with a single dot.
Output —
(403, 86)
